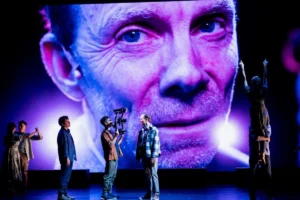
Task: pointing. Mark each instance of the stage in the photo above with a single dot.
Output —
(211, 192)
(175, 184)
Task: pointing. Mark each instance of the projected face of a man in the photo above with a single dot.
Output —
(177, 65)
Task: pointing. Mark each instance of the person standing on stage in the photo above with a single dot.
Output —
(67, 155)
(148, 149)
(112, 152)
(259, 130)
(25, 149)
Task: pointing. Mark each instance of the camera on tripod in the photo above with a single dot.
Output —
(119, 120)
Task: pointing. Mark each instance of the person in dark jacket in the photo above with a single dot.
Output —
(67, 154)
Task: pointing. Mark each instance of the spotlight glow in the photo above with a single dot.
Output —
(235, 153)
(227, 134)
(228, 137)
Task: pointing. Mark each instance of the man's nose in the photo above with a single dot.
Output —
(184, 76)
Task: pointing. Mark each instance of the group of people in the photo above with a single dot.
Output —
(148, 146)
(176, 76)
(147, 151)
(18, 153)
(148, 143)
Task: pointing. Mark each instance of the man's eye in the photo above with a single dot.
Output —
(210, 26)
(131, 36)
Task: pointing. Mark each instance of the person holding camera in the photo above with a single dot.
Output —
(148, 149)
(111, 147)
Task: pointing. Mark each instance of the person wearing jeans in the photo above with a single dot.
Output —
(111, 147)
(67, 154)
(148, 149)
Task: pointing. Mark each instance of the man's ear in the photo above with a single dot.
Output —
(61, 67)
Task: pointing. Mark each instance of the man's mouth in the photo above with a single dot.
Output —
(177, 123)
(180, 134)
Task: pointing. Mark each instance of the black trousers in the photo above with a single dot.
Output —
(65, 175)
(267, 175)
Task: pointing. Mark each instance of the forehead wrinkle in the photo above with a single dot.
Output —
(123, 14)
(216, 6)
(98, 19)
(89, 16)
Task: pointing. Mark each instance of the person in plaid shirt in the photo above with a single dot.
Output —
(148, 149)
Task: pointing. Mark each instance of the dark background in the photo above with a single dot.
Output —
(262, 29)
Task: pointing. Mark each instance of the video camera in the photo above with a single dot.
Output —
(119, 120)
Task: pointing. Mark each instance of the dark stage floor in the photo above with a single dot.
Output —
(218, 192)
